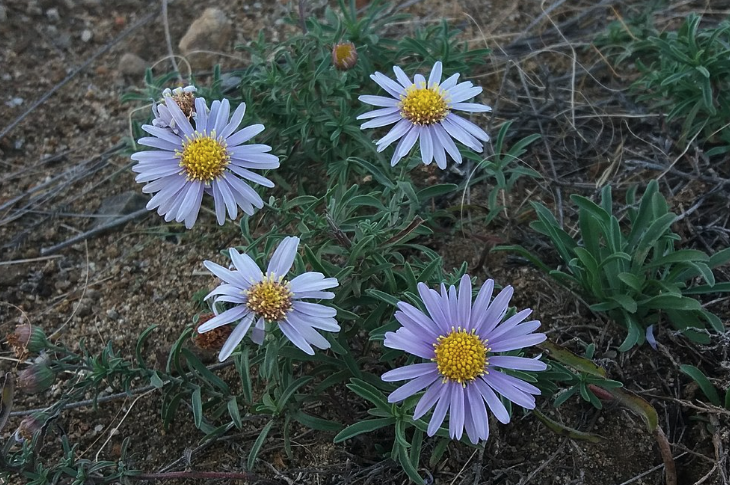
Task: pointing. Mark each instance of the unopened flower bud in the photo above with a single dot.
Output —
(344, 56)
(184, 97)
(36, 378)
(27, 338)
(29, 426)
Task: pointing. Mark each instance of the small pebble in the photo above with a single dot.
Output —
(14, 102)
(53, 15)
(86, 35)
(3, 13)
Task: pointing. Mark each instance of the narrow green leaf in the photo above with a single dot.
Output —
(408, 467)
(563, 430)
(561, 354)
(206, 375)
(314, 422)
(670, 301)
(256, 448)
(197, 404)
(707, 388)
(370, 393)
(289, 391)
(638, 405)
(140, 343)
(366, 426)
(233, 411)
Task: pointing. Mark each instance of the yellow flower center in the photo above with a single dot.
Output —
(424, 106)
(461, 356)
(270, 298)
(203, 157)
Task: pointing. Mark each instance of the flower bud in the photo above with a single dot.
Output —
(29, 426)
(27, 338)
(344, 56)
(36, 378)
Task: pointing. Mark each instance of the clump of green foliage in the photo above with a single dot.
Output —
(629, 266)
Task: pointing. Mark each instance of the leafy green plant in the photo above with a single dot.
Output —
(707, 388)
(685, 73)
(635, 274)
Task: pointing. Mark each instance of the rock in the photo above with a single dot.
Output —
(53, 15)
(132, 65)
(210, 32)
(86, 35)
(3, 13)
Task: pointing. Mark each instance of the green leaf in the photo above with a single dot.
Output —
(256, 448)
(233, 411)
(435, 191)
(374, 171)
(565, 356)
(382, 296)
(314, 422)
(366, 426)
(289, 391)
(632, 281)
(707, 388)
(638, 405)
(408, 467)
(563, 430)
(197, 404)
(719, 258)
(156, 381)
(670, 301)
(680, 256)
(626, 302)
(705, 289)
(140, 343)
(194, 363)
(370, 393)
(635, 335)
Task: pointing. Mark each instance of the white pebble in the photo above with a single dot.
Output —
(86, 35)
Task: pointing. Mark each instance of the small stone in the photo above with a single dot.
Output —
(210, 32)
(6, 77)
(86, 35)
(53, 15)
(132, 65)
(3, 13)
(14, 102)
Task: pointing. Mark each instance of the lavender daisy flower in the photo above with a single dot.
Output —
(209, 158)
(423, 111)
(269, 297)
(183, 97)
(460, 341)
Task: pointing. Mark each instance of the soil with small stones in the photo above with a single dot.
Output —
(58, 167)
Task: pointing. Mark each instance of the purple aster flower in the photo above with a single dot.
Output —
(210, 158)
(423, 111)
(270, 297)
(460, 341)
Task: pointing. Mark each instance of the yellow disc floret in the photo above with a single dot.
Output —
(270, 298)
(203, 157)
(461, 356)
(424, 105)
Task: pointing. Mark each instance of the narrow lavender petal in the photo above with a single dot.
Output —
(650, 337)
(518, 343)
(378, 101)
(471, 431)
(148, 176)
(227, 290)
(258, 333)
(494, 314)
(247, 268)
(190, 211)
(312, 281)
(446, 141)
(495, 404)
(520, 330)
(397, 153)
(481, 303)
(404, 80)
(238, 300)
(456, 416)
(228, 316)
(463, 307)
(318, 295)
(442, 406)
(432, 301)
(419, 81)
(192, 191)
(297, 318)
(166, 201)
(435, 76)
(283, 256)
(390, 86)
(452, 307)
(249, 175)
(426, 333)
(180, 119)
(235, 338)
(228, 198)
(409, 140)
(469, 127)
(212, 116)
(424, 135)
(296, 338)
(378, 112)
(163, 134)
(223, 273)
(402, 340)
(242, 188)
(313, 338)
(509, 324)
(170, 182)
(450, 82)
(314, 309)
(244, 135)
(395, 133)
(251, 149)
(220, 208)
(472, 107)
(201, 114)
(153, 155)
(429, 398)
(235, 121)
(418, 316)
(461, 135)
(462, 94)
(516, 363)
(503, 386)
(478, 412)
(412, 387)
(515, 382)
(154, 142)
(409, 372)
(382, 121)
